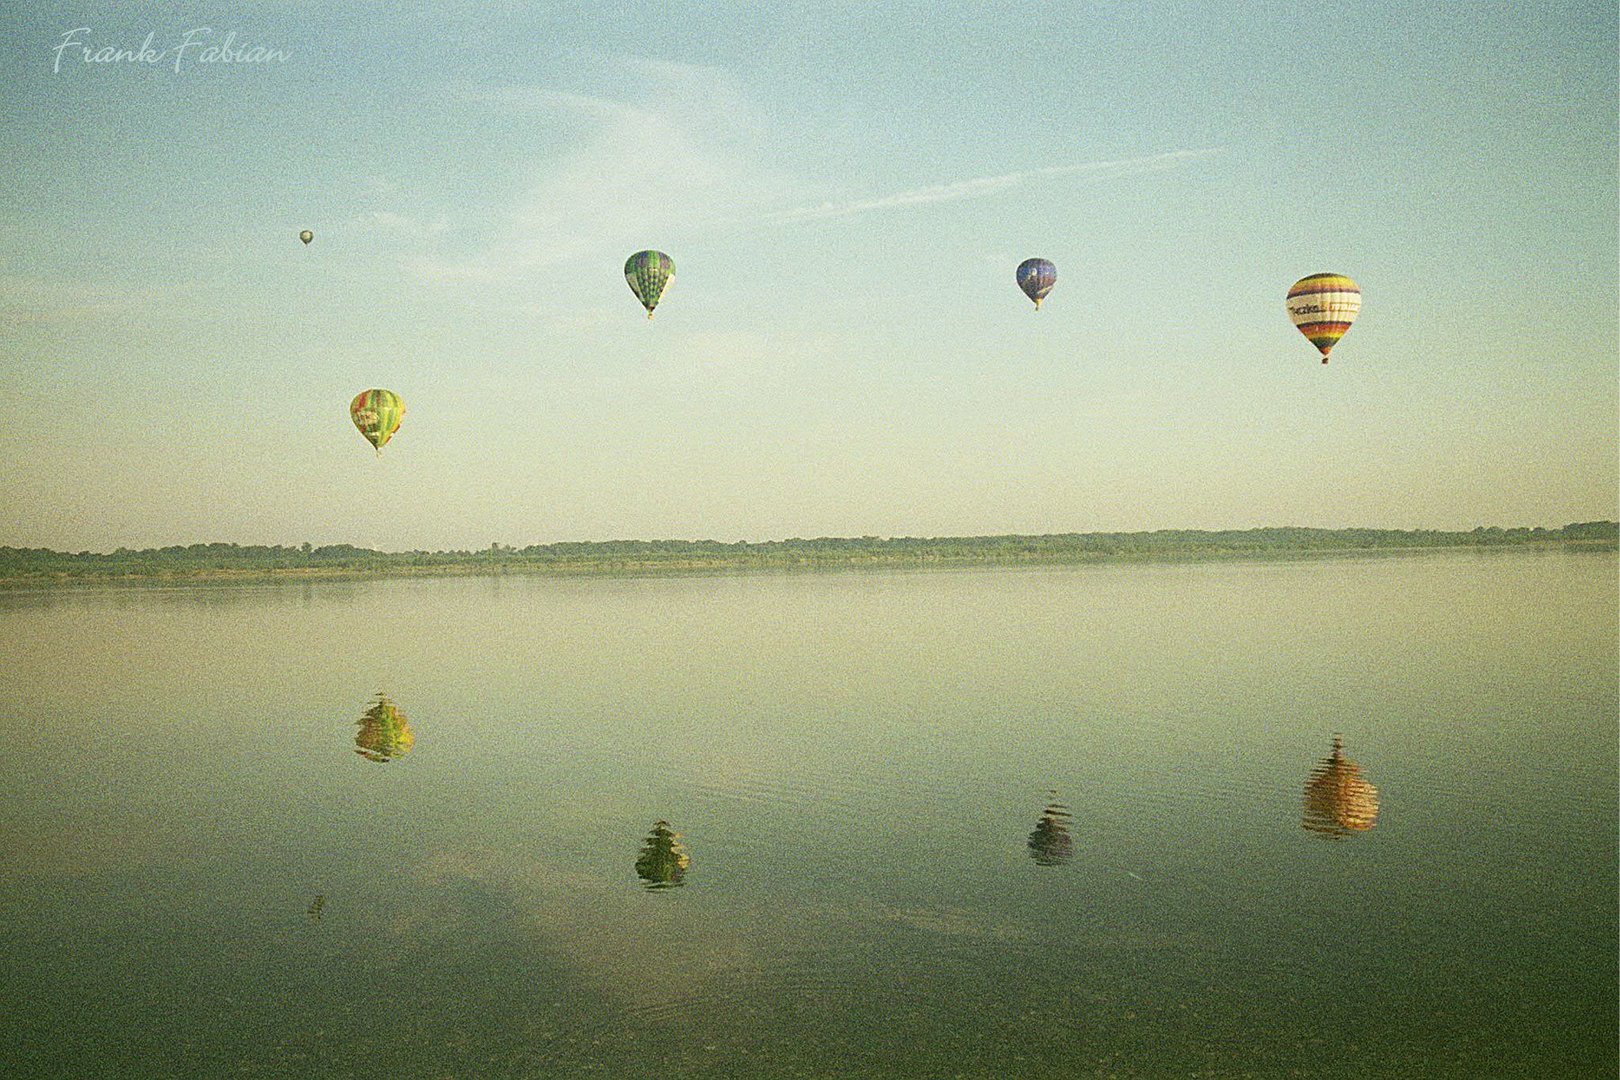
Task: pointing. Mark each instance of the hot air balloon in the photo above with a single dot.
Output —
(649, 274)
(306, 236)
(377, 414)
(1338, 801)
(384, 735)
(1036, 277)
(663, 860)
(1323, 306)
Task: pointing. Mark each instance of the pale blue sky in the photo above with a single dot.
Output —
(845, 192)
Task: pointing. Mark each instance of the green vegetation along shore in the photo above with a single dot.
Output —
(40, 566)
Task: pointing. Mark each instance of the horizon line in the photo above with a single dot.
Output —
(870, 537)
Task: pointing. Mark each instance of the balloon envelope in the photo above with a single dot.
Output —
(1323, 306)
(649, 274)
(1036, 277)
(306, 236)
(377, 414)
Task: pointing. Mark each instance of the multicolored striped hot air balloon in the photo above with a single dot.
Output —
(649, 274)
(377, 414)
(1323, 306)
(1036, 277)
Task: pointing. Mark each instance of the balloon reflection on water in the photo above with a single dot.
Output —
(384, 733)
(663, 860)
(1050, 844)
(1338, 801)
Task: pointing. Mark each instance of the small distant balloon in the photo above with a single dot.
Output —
(1036, 277)
(377, 414)
(649, 274)
(1323, 306)
(306, 236)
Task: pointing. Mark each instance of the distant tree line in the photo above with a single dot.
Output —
(25, 564)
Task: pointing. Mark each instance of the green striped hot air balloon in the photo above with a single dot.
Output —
(377, 414)
(649, 274)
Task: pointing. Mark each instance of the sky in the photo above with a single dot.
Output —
(845, 190)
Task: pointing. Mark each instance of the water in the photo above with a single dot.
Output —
(1002, 823)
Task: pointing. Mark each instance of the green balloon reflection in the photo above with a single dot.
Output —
(384, 733)
(663, 860)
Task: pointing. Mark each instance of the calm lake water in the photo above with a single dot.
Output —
(222, 854)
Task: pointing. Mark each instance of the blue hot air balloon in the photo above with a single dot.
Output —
(1036, 277)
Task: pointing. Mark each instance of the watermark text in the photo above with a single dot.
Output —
(199, 45)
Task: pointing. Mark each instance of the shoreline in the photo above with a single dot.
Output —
(719, 564)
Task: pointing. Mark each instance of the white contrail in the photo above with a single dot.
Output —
(984, 185)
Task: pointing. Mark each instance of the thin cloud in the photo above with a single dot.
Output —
(704, 136)
(545, 101)
(986, 185)
(633, 175)
(28, 301)
(406, 225)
